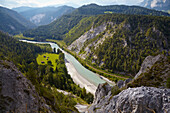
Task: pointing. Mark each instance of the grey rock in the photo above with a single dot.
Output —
(93, 32)
(101, 92)
(154, 72)
(127, 81)
(17, 94)
(133, 100)
(120, 83)
(148, 63)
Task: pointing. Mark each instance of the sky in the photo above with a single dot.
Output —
(74, 3)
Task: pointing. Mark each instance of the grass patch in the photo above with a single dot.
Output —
(42, 59)
(108, 12)
(20, 36)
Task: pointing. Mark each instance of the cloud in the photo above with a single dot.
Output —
(17, 3)
(41, 3)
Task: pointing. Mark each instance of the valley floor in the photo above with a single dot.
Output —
(79, 80)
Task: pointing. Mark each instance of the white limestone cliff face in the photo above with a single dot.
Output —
(93, 32)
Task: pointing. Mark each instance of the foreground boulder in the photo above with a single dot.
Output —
(17, 94)
(132, 100)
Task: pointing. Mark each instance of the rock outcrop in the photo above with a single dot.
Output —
(154, 72)
(101, 91)
(131, 100)
(93, 32)
(122, 83)
(148, 63)
(17, 94)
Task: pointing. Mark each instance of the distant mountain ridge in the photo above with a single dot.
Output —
(22, 9)
(94, 9)
(156, 4)
(12, 22)
(43, 15)
(59, 28)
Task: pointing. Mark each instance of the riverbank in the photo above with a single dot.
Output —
(78, 79)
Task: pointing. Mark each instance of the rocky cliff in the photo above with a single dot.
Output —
(93, 32)
(131, 100)
(144, 97)
(17, 94)
(148, 63)
(154, 72)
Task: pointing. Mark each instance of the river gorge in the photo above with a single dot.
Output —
(80, 75)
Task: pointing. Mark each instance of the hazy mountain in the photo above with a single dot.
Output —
(45, 15)
(22, 9)
(156, 4)
(12, 22)
(68, 4)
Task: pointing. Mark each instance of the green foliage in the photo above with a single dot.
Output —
(115, 90)
(61, 79)
(168, 83)
(59, 51)
(45, 47)
(22, 54)
(83, 26)
(59, 102)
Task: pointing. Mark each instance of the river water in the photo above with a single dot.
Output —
(85, 73)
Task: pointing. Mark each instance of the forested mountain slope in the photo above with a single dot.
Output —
(12, 22)
(59, 28)
(119, 43)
